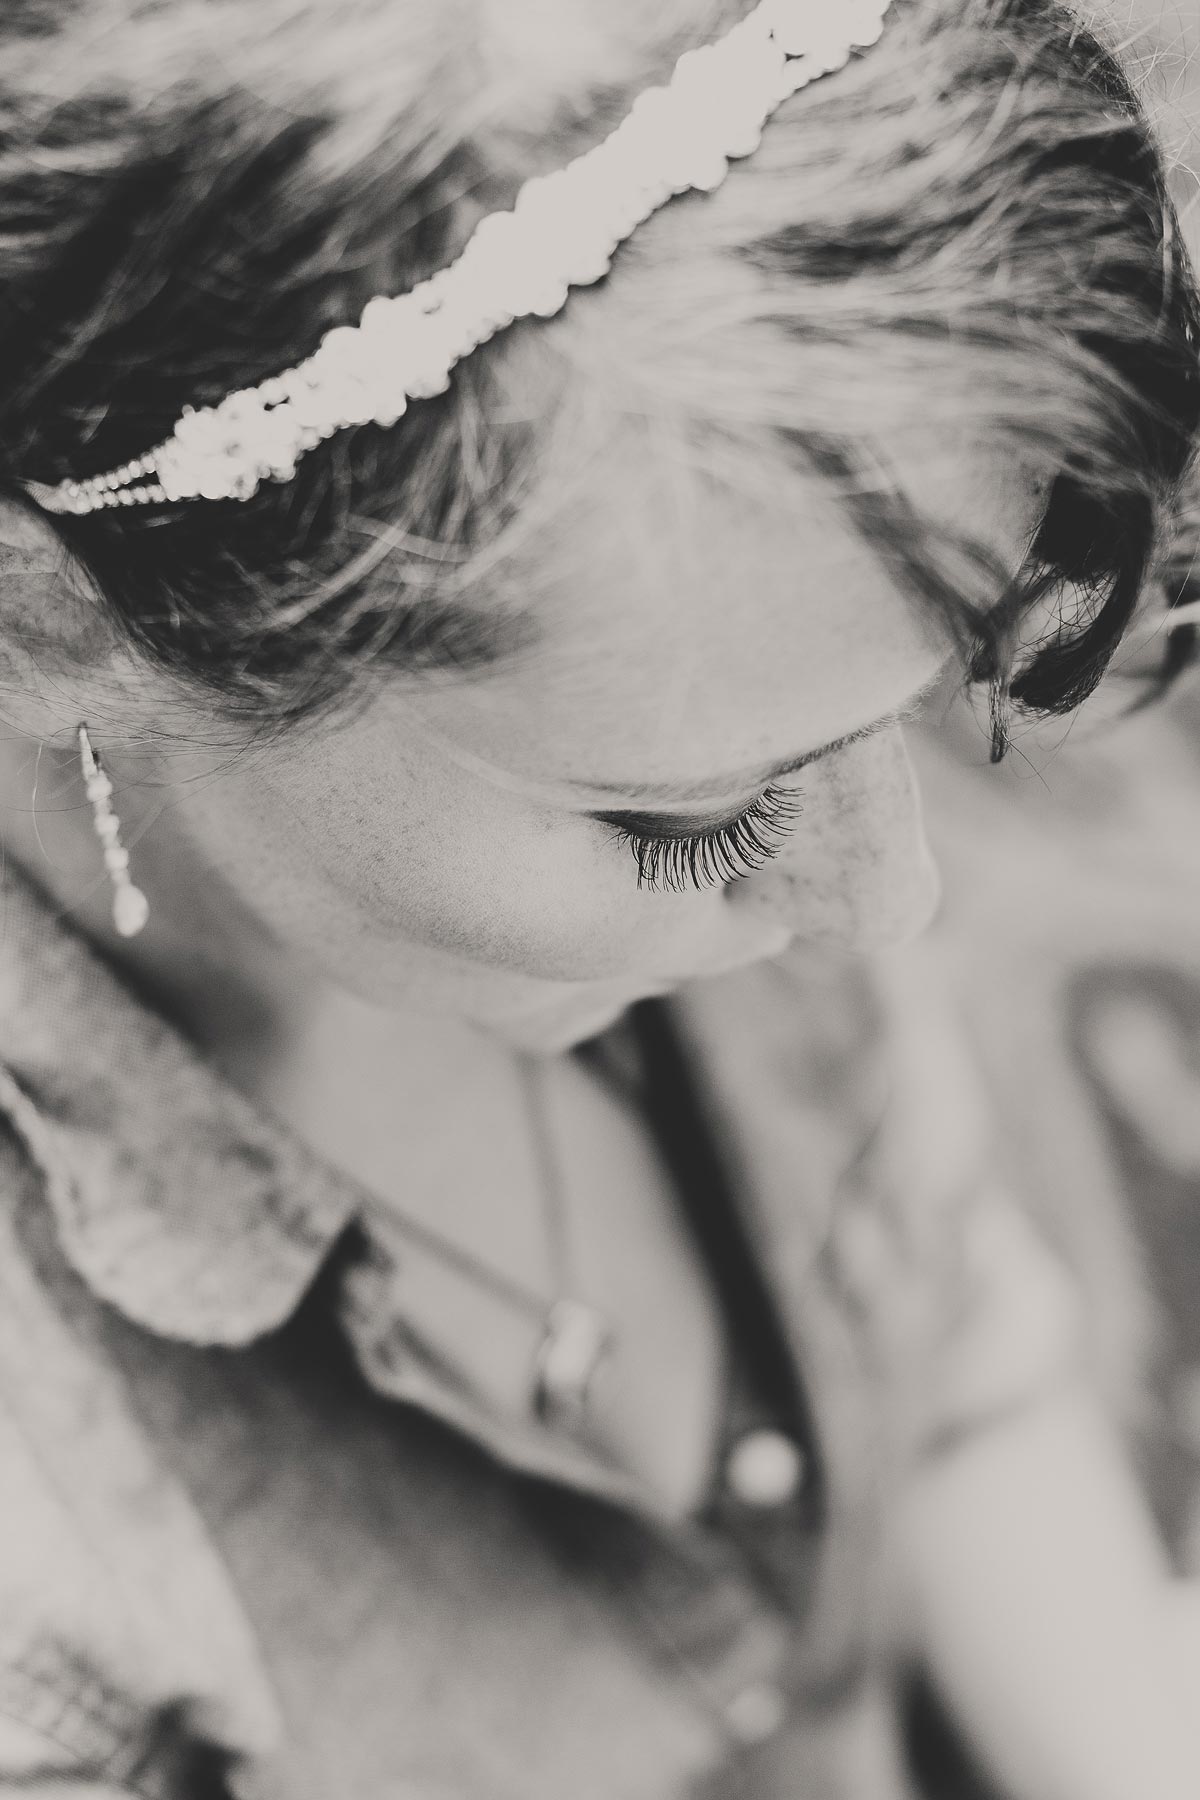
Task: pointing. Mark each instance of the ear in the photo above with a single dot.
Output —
(47, 601)
(55, 633)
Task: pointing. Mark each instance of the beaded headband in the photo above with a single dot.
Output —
(561, 234)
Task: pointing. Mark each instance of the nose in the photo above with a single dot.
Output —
(857, 873)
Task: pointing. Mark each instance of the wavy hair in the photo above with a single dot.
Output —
(969, 227)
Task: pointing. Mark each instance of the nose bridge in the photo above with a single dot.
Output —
(858, 870)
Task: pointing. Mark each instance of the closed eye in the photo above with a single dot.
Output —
(674, 855)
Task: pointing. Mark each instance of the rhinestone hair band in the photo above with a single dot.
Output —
(561, 233)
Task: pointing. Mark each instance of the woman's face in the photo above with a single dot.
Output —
(465, 846)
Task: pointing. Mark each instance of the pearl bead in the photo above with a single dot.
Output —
(131, 909)
(765, 1469)
(213, 482)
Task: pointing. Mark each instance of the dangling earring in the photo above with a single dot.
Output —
(131, 908)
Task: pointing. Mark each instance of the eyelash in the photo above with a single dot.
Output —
(711, 857)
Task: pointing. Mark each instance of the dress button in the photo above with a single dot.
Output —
(756, 1714)
(765, 1468)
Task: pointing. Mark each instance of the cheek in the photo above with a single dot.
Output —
(484, 877)
(859, 875)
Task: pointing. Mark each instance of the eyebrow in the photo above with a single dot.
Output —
(681, 792)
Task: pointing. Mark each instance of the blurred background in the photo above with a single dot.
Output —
(1070, 939)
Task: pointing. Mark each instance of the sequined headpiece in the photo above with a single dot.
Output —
(561, 233)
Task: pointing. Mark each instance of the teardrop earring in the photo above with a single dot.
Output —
(131, 908)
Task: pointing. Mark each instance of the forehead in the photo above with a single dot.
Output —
(688, 630)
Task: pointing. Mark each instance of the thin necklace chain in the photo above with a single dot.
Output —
(551, 1183)
(508, 1288)
(575, 1339)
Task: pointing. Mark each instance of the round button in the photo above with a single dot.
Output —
(756, 1714)
(765, 1468)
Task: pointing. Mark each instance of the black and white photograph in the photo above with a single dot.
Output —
(599, 900)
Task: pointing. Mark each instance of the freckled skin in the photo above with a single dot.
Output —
(430, 850)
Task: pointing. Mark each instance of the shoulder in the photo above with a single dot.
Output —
(110, 1613)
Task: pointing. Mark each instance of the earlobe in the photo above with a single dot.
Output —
(56, 635)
